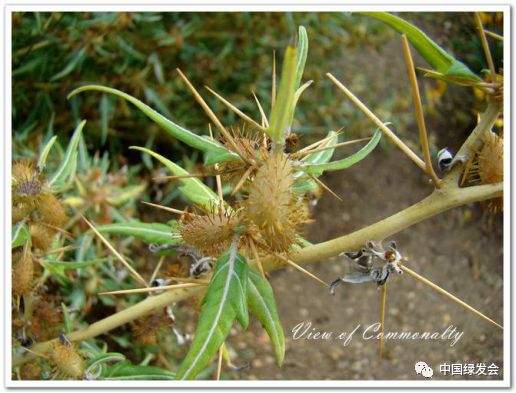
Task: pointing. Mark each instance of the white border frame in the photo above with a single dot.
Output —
(231, 5)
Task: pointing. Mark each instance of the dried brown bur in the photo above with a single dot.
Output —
(23, 274)
(211, 234)
(46, 322)
(145, 330)
(249, 144)
(272, 205)
(31, 371)
(67, 360)
(41, 236)
(488, 167)
(27, 183)
(51, 210)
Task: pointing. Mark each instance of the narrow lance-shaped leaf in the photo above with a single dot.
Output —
(126, 194)
(97, 365)
(262, 304)
(63, 177)
(128, 371)
(156, 233)
(58, 268)
(304, 184)
(318, 169)
(280, 115)
(297, 95)
(302, 52)
(44, 153)
(216, 152)
(193, 189)
(67, 320)
(225, 300)
(436, 56)
(104, 108)
(20, 235)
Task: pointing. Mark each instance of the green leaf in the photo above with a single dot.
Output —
(44, 154)
(224, 301)
(67, 320)
(305, 185)
(324, 156)
(104, 109)
(128, 371)
(80, 54)
(318, 169)
(126, 194)
(63, 177)
(262, 304)
(281, 113)
(148, 232)
(193, 189)
(59, 267)
(216, 152)
(436, 56)
(302, 52)
(20, 235)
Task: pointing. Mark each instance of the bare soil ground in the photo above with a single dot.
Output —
(460, 250)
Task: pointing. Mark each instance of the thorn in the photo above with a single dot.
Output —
(265, 122)
(152, 289)
(302, 270)
(382, 316)
(324, 186)
(447, 294)
(168, 209)
(236, 110)
(347, 143)
(242, 180)
(135, 274)
(258, 260)
(156, 270)
(210, 113)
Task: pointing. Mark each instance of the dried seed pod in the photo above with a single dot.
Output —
(272, 204)
(47, 319)
(21, 211)
(490, 160)
(210, 234)
(146, 329)
(30, 371)
(490, 166)
(67, 360)
(41, 236)
(27, 184)
(51, 210)
(23, 273)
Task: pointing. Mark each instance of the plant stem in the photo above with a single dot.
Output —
(474, 143)
(113, 321)
(440, 200)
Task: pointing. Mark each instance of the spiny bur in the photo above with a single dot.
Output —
(23, 273)
(272, 204)
(67, 360)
